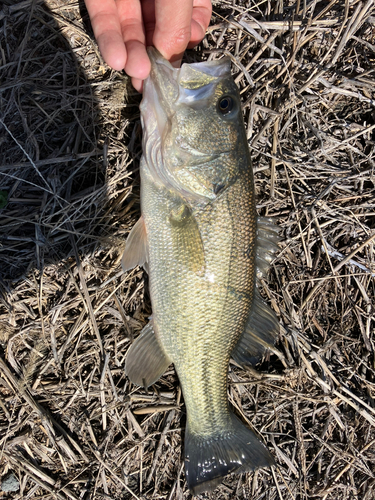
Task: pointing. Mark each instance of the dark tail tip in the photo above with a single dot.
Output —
(208, 458)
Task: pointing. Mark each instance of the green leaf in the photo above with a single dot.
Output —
(3, 198)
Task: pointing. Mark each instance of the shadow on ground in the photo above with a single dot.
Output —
(57, 172)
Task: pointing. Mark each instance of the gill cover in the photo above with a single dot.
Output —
(180, 111)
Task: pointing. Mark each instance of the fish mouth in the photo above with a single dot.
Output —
(163, 82)
(165, 91)
(191, 84)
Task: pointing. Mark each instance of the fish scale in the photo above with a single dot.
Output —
(201, 243)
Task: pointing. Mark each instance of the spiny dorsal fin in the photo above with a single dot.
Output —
(259, 335)
(136, 249)
(266, 249)
(146, 360)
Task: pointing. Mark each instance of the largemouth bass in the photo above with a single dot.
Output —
(202, 245)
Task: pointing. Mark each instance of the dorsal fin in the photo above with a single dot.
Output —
(260, 333)
(262, 327)
(266, 245)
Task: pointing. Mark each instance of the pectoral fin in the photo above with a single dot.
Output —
(146, 360)
(186, 238)
(259, 335)
(136, 249)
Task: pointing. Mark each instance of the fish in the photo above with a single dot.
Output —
(203, 247)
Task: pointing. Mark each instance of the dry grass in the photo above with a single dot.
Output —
(71, 424)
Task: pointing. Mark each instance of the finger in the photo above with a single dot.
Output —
(172, 27)
(137, 84)
(107, 30)
(130, 14)
(148, 13)
(202, 10)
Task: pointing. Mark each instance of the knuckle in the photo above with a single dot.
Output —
(179, 39)
(183, 35)
(172, 42)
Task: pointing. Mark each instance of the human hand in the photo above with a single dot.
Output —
(124, 28)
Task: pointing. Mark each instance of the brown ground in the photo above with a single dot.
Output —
(71, 424)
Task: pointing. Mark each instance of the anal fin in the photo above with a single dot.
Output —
(261, 331)
(146, 360)
(136, 249)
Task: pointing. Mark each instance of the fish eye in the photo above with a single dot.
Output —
(225, 104)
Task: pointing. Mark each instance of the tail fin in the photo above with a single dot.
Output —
(208, 458)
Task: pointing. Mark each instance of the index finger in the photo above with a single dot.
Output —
(107, 30)
(172, 27)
